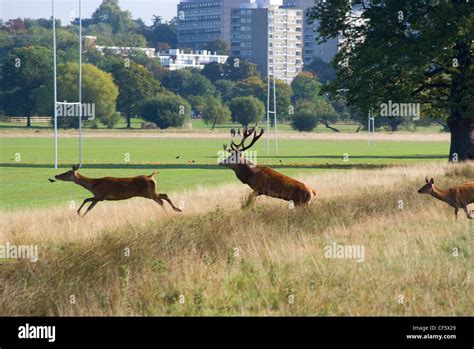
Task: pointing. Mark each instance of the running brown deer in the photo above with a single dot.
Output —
(262, 179)
(459, 196)
(111, 188)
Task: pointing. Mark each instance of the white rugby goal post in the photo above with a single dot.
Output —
(371, 129)
(62, 104)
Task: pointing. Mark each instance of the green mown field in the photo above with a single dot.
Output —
(199, 125)
(26, 163)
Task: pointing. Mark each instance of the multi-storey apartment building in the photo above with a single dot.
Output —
(311, 48)
(270, 36)
(203, 21)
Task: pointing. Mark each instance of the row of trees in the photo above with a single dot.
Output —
(218, 93)
(214, 93)
(136, 85)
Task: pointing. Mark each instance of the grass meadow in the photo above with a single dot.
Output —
(215, 258)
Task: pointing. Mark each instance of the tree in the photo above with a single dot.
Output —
(407, 52)
(325, 113)
(225, 88)
(218, 45)
(98, 89)
(166, 110)
(251, 86)
(161, 34)
(135, 83)
(305, 87)
(215, 112)
(309, 113)
(186, 83)
(246, 110)
(109, 12)
(24, 72)
(197, 103)
(322, 70)
(236, 69)
(213, 71)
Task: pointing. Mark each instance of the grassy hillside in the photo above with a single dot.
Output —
(216, 259)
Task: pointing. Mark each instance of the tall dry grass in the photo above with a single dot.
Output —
(216, 259)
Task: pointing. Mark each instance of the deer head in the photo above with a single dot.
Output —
(68, 176)
(428, 187)
(235, 151)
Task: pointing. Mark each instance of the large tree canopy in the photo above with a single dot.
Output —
(407, 52)
(23, 75)
(135, 83)
(98, 89)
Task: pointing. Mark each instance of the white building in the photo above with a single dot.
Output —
(176, 59)
(125, 51)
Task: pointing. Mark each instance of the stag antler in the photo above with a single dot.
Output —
(246, 134)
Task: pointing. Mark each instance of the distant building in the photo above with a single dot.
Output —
(267, 35)
(125, 51)
(176, 59)
(325, 51)
(203, 21)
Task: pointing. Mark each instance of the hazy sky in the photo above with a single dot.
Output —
(42, 8)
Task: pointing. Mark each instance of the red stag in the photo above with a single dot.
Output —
(263, 179)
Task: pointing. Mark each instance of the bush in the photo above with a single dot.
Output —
(304, 120)
(166, 110)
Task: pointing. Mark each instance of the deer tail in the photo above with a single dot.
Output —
(153, 173)
(314, 191)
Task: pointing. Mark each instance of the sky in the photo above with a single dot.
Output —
(42, 8)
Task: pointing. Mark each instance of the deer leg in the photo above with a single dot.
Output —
(250, 199)
(469, 214)
(167, 199)
(456, 212)
(161, 203)
(91, 206)
(85, 201)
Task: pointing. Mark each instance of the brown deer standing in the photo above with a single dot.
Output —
(262, 179)
(110, 188)
(459, 196)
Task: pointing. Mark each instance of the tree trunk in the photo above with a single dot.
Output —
(461, 122)
(129, 122)
(28, 120)
(462, 139)
(325, 123)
